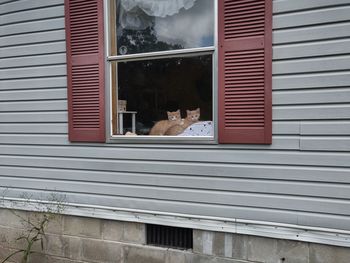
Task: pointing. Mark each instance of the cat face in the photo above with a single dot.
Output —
(174, 115)
(193, 115)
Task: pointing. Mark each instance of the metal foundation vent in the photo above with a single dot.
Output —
(168, 236)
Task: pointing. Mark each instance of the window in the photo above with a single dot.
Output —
(152, 71)
(161, 68)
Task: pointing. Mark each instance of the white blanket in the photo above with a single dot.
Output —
(202, 128)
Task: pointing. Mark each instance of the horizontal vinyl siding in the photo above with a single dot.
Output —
(312, 71)
(302, 178)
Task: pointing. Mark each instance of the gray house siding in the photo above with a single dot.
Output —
(303, 178)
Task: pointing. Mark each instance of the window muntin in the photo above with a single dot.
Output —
(160, 25)
(191, 58)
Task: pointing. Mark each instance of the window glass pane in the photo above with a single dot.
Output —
(159, 25)
(148, 89)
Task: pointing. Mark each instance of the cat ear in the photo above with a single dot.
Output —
(198, 109)
(188, 112)
(168, 112)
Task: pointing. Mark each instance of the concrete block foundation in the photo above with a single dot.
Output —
(72, 239)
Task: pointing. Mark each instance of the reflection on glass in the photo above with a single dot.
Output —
(159, 25)
(151, 88)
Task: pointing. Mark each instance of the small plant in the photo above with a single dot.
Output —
(35, 226)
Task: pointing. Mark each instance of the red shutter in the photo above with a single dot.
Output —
(85, 70)
(245, 71)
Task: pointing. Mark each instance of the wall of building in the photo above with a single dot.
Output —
(301, 179)
(72, 239)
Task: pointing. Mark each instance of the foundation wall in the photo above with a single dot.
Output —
(72, 239)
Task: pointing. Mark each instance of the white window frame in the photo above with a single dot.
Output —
(213, 50)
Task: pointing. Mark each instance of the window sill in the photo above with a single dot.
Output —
(120, 139)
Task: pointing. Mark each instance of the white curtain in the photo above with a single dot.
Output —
(137, 14)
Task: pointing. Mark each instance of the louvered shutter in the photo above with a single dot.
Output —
(245, 71)
(85, 70)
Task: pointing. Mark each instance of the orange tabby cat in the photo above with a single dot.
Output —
(192, 117)
(161, 127)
